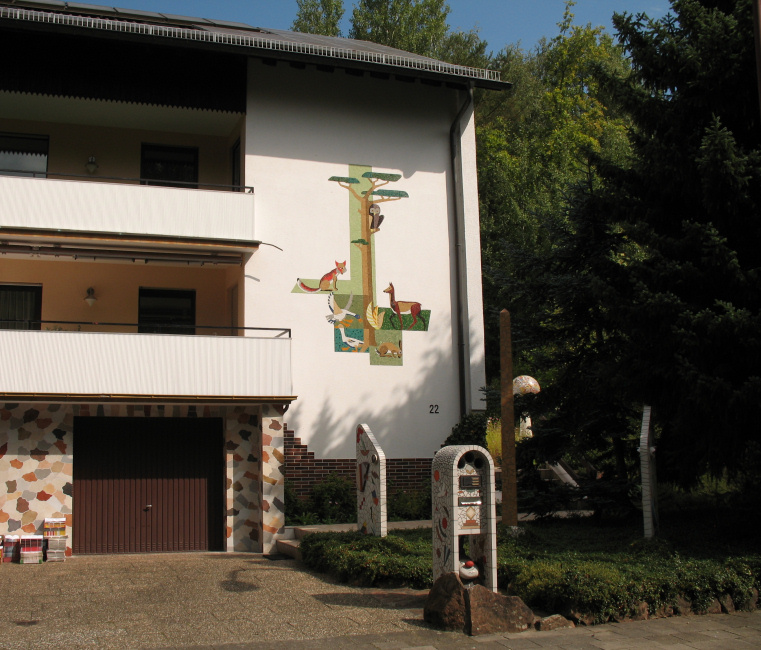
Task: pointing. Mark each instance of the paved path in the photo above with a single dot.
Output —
(232, 600)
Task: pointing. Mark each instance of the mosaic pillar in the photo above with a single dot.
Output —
(243, 447)
(464, 510)
(273, 482)
(371, 484)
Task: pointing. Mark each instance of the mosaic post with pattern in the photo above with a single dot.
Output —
(464, 508)
(371, 484)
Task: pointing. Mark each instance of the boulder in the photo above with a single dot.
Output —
(554, 622)
(727, 604)
(682, 606)
(491, 613)
(475, 609)
(641, 613)
(713, 608)
(445, 606)
(752, 602)
(578, 617)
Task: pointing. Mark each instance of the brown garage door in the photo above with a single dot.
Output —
(146, 485)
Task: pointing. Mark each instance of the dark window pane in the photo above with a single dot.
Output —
(20, 307)
(23, 155)
(166, 311)
(169, 166)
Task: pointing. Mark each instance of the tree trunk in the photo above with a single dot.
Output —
(368, 290)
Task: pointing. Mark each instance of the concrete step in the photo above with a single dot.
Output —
(289, 547)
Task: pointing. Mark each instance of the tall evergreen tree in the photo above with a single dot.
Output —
(652, 293)
(692, 201)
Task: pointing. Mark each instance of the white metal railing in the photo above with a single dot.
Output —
(53, 204)
(95, 363)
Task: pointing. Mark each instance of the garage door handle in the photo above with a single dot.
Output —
(148, 507)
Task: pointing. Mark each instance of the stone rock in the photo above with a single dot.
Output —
(474, 610)
(445, 606)
(727, 604)
(664, 611)
(752, 602)
(682, 606)
(714, 607)
(491, 613)
(641, 613)
(578, 617)
(554, 622)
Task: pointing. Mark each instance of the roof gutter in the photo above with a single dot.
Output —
(487, 78)
(455, 150)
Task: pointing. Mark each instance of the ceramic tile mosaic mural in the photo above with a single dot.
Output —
(37, 460)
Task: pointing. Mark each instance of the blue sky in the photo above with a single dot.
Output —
(500, 22)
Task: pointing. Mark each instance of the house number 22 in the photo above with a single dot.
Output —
(433, 408)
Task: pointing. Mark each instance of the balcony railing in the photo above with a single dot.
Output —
(105, 365)
(113, 205)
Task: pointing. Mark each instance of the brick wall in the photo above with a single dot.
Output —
(303, 470)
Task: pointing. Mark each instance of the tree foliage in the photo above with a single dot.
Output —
(418, 26)
(319, 17)
(692, 307)
(650, 292)
(534, 145)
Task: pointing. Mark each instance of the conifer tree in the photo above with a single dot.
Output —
(692, 201)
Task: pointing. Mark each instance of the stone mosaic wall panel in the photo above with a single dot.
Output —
(243, 449)
(371, 484)
(273, 481)
(36, 465)
(464, 508)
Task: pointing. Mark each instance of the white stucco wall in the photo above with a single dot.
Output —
(302, 127)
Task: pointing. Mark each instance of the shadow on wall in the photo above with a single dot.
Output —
(431, 403)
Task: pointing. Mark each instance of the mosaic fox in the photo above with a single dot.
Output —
(326, 280)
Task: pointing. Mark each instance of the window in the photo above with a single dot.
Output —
(166, 311)
(23, 155)
(20, 306)
(236, 167)
(169, 166)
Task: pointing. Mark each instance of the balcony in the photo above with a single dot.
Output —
(66, 366)
(73, 206)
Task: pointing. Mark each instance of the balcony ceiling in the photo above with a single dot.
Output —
(126, 115)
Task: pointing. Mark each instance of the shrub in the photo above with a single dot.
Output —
(409, 505)
(471, 430)
(332, 501)
(602, 570)
(394, 560)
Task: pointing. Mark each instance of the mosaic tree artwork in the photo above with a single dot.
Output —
(360, 323)
(371, 484)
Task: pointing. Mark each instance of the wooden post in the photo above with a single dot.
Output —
(509, 481)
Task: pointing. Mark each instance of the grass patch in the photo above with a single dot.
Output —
(596, 570)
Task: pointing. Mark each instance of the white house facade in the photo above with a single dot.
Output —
(211, 233)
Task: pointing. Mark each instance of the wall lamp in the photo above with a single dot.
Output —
(90, 298)
(91, 166)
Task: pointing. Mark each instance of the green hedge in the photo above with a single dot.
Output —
(365, 560)
(600, 572)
